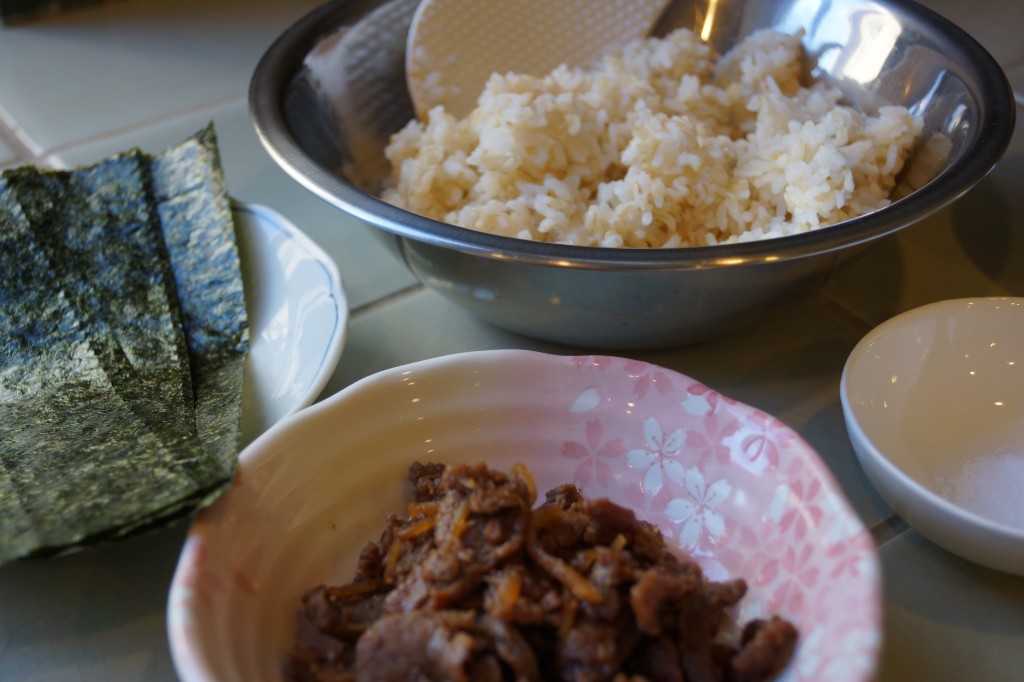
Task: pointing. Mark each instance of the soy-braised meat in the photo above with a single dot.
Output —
(476, 583)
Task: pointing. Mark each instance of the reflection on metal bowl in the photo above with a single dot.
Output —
(331, 90)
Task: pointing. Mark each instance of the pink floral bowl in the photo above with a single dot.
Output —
(728, 484)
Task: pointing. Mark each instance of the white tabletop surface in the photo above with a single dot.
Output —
(79, 85)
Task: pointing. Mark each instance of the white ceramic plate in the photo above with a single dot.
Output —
(725, 482)
(298, 317)
(934, 404)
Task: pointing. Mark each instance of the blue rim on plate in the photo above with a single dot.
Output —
(298, 317)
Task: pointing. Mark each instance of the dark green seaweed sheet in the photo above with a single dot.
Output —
(195, 212)
(39, 199)
(147, 317)
(97, 226)
(66, 474)
(80, 461)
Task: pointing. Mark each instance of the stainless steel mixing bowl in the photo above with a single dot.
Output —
(330, 91)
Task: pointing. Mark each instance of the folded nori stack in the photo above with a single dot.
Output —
(86, 452)
(195, 213)
(69, 469)
(97, 226)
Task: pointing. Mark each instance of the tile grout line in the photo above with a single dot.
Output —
(9, 135)
(893, 526)
(842, 313)
(25, 154)
(889, 529)
(383, 302)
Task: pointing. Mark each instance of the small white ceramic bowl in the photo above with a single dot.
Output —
(727, 483)
(934, 404)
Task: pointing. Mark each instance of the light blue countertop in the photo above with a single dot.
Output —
(78, 86)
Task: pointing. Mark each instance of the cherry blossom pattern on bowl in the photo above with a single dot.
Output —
(730, 485)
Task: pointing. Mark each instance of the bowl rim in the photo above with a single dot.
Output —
(899, 478)
(284, 58)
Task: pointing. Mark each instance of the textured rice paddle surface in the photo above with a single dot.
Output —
(121, 404)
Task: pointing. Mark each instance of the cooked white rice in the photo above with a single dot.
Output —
(662, 144)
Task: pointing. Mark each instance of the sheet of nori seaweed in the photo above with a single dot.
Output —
(86, 466)
(97, 227)
(195, 212)
(69, 465)
(100, 224)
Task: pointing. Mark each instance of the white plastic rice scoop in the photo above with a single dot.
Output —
(455, 45)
